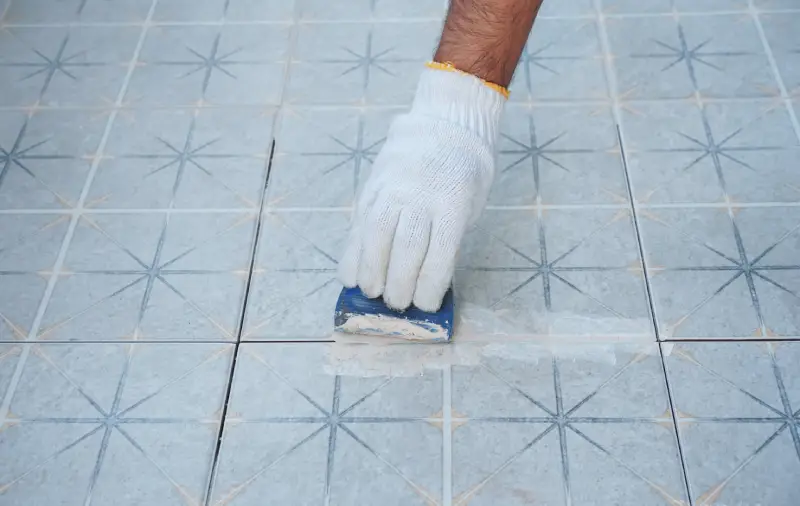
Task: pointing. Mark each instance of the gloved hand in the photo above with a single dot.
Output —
(430, 181)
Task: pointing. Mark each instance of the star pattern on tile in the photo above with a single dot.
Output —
(338, 421)
(118, 419)
(563, 420)
(784, 416)
(61, 62)
(18, 156)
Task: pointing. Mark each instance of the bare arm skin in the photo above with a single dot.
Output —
(485, 37)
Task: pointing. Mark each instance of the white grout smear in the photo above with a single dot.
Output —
(481, 333)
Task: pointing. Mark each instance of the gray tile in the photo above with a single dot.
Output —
(44, 159)
(736, 420)
(96, 423)
(647, 58)
(323, 156)
(562, 61)
(356, 63)
(771, 239)
(744, 152)
(76, 66)
(357, 10)
(558, 155)
(219, 64)
(312, 437)
(717, 56)
(76, 11)
(30, 242)
(714, 276)
(229, 10)
(152, 276)
(664, 126)
(564, 264)
(710, 6)
(178, 158)
(769, 5)
(294, 286)
(784, 46)
(577, 8)
(562, 431)
(612, 7)
(17, 312)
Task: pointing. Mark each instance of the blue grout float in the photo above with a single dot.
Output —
(357, 314)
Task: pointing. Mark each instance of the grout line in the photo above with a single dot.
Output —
(62, 253)
(447, 436)
(239, 331)
(5, 11)
(611, 80)
(386, 20)
(770, 339)
(347, 209)
(675, 425)
(774, 65)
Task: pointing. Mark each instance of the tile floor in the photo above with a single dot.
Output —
(176, 176)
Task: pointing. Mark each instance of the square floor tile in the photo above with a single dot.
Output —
(44, 159)
(562, 61)
(736, 405)
(18, 312)
(76, 11)
(717, 276)
(296, 433)
(322, 157)
(102, 423)
(785, 48)
(28, 249)
(178, 158)
(558, 155)
(229, 10)
(662, 58)
(30, 242)
(576, 8)
(294, 286)
(79, 66)
(220, 65)
(152, 276)
(565, 431)
(356, 63)
(566, 264)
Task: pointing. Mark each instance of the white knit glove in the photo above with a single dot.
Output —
(429, 183)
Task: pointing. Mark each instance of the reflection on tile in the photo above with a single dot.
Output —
(296, 433)
(152, 276)
(735, 403)
(565, 431)
(112, 422)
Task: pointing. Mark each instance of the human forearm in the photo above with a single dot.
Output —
(485, 37)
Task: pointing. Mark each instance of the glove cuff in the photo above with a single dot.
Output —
(462, 99)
